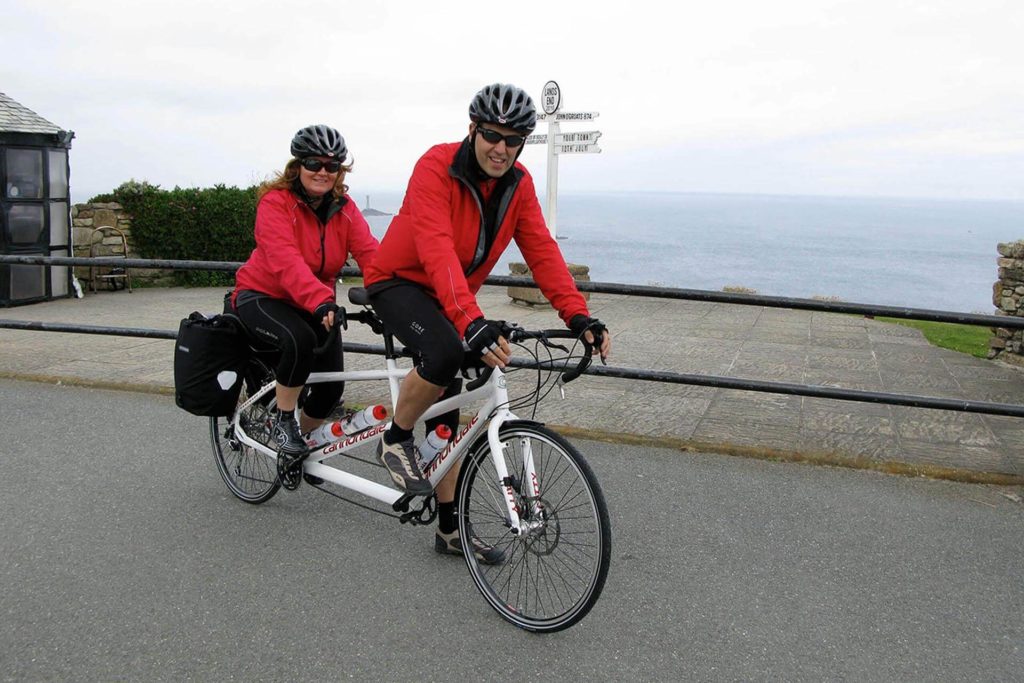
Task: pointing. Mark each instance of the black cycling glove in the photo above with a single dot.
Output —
(482, 334)
(580, 323)
(323, 309)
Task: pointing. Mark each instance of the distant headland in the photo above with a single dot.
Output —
(367, 211)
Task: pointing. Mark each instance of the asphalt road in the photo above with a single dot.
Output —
(123, 557)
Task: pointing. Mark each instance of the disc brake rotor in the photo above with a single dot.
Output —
(544, 532)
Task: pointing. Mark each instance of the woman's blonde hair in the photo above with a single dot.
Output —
(285, 180)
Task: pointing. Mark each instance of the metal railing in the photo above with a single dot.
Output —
(596, 287)
(714, 381)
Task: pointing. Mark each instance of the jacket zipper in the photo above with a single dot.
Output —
(323, 251)
(481, 240)
(323, 234)
(481, 245)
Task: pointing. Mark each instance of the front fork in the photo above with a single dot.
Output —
(519, 490)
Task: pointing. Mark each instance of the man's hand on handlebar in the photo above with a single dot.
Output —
(487, 337)
(594, 332)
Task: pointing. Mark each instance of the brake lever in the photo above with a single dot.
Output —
(546, 341)
(598, 340)
(581, 367)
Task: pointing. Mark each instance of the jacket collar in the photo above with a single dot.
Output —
(465, 167)
(322, 211)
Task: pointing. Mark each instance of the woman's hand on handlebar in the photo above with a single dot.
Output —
(326, 312)
(333, 318)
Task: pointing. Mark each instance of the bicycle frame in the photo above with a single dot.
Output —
(492, 413)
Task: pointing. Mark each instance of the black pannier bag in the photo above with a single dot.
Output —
(210, 354)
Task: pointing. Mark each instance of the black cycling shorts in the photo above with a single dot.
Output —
(294, 333)
(416, 318)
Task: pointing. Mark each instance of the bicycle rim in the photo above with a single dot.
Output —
(553, 574)
(250, 475)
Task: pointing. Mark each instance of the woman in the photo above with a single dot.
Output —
(306, 227)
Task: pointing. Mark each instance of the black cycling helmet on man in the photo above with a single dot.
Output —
(505, 105)
(319, 141)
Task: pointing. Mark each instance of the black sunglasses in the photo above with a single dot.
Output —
(494, 137)
(313, 165)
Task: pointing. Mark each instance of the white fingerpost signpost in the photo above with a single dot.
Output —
(561, 143)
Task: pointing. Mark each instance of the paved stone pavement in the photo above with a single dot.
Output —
(681, 336)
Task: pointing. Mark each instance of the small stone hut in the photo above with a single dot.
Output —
(34, 203)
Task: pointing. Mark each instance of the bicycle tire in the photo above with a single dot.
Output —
(250, 475)
(552, 575)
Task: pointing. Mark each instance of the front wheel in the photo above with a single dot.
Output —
(552, 573)
(250, 475)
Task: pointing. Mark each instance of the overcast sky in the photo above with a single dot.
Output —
(868, 97)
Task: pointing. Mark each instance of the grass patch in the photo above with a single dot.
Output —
(972, 339)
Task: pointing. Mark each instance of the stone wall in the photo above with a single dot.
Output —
(1008, 297)
(532, 295)
(85, 219)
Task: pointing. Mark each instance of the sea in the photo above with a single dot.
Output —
(919, 253)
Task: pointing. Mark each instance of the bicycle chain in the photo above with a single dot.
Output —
(415, 517)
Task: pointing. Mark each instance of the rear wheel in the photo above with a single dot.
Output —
(250, 475)
(553, 573)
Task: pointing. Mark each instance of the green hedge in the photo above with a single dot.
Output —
(209, 224)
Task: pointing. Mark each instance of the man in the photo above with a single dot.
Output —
(465, 202)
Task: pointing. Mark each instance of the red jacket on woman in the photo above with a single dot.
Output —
(438, 239)
(296, 259)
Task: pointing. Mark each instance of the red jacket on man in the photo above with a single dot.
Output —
(296, 259)
(437, 239)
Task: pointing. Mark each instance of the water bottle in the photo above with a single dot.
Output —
(324, 434)
(432, 445)
(353, 424)
(364, 419)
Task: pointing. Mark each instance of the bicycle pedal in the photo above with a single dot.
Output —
(289, 480)
(402, 504)
(312, 479)
(410, 518)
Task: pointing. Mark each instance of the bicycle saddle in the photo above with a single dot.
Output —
(358, 296)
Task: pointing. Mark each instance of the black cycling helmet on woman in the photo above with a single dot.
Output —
(319, 141)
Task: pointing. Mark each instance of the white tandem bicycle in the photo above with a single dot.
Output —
(522, 488)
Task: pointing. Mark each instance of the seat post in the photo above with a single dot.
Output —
(389, 346)
(359, 297)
